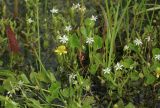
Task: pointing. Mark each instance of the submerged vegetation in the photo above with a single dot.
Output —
(79, 54)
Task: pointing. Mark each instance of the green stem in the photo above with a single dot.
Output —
(39, 45)
(11, 63)
(39, 60)
(55, 105)
(143, 60)
(34, 87)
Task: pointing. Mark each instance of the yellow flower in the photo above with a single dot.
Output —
(61, 50)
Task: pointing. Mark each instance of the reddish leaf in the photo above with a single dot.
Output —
(13, 44)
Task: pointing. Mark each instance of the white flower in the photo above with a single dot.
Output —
(53, 10)
(106, 70)
(94, 18)
(63, 39)
(77, 6)
(89, 40)
(137, 42)
(131, 67)
(72, 77)
(9, 94)
(126, 47)
(148, 38)
(118, 66)
(30, 20)
(20, 83)
(83, 9)
(68, 28)
(157, 57)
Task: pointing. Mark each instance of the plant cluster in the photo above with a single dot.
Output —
(86, 54)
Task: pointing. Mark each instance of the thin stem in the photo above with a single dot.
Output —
(39, 60)
(34, 87)
(39, 44)
(15, 8)
(55, 105)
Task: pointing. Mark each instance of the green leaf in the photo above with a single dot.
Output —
(120, 104)
(84, 31)
(141, 75)
(98, 58)
(42, 76)
(46, 44)
(1, 62)
(89, 23)
(155, 51)
(51, 77)
(127, 62)
(9, 82)
(155, 65)
(93, 69)
(55, 86)
(6, 73)
(130, 105)
(2, 89)
(87, 84)
(34, 103)
(67, 92)
(33, 77)
(88, 101)
(145, 70)
(74, 104)
(134, 76)
(133, 47)
(8, 102)
(150, 79)
(74, 42)
(24, 78)
(54, 90)
(98, 42)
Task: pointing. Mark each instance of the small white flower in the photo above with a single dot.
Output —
(75, 6)
(118, 66)
(72, 77)
(94, 18)
(138, 42)
(63, 39)
(148, 38)
(30, 20)
(83, 9)
(126, 47)
(9, 94)
(68, 28)
(157, 57)
(89, 40)
(53, 10)
(106, 70)
(131, 67)
(61, 69)
(25, 0)
(20, 83)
